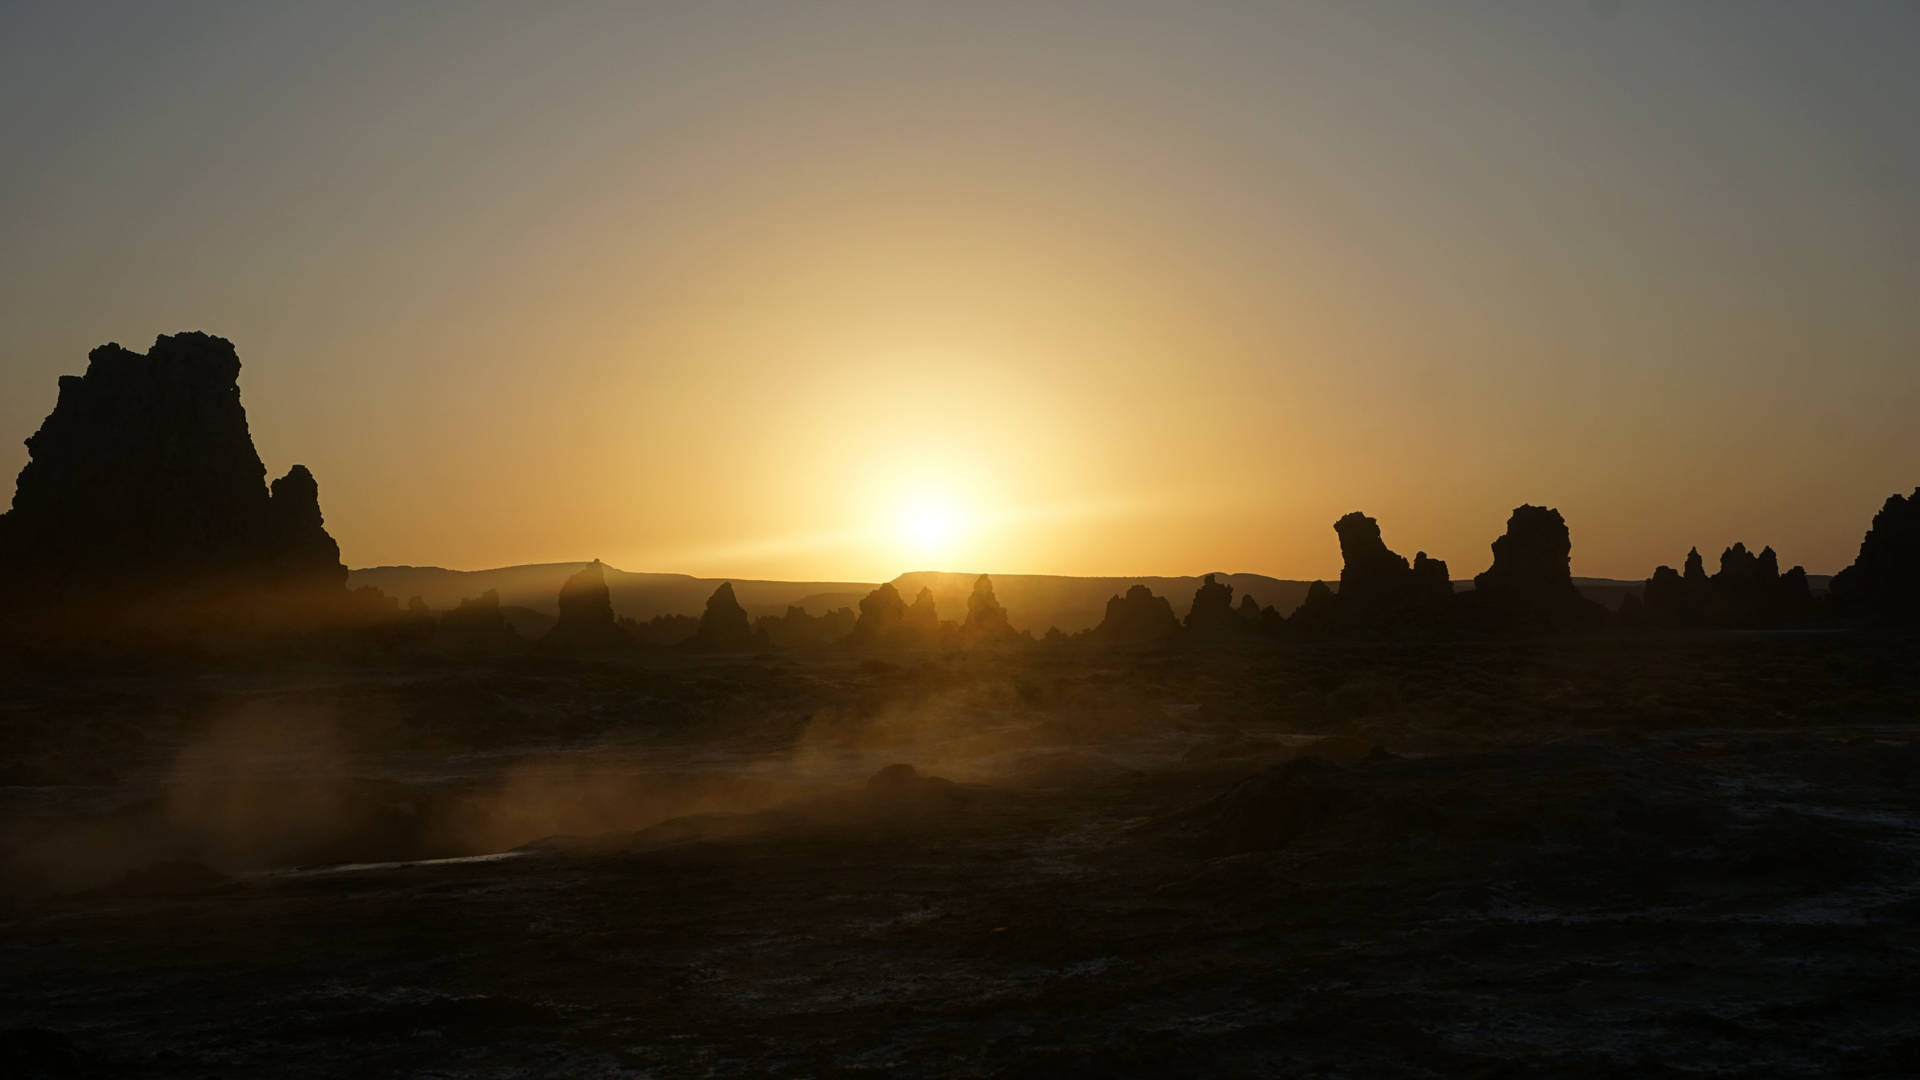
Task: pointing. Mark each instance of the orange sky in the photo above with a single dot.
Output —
(844, 290)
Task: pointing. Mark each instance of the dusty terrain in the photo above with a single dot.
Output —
(1688, 854)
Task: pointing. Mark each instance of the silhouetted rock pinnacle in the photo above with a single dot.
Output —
(1378, 589)
(145, 477)
(724, 626)
(986, 620)
(1212, 612)
(1530, 583)
(882, 613)
(586, 615)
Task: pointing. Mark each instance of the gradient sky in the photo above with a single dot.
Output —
(1123, 288)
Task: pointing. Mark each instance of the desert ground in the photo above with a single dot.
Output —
(1642, 854)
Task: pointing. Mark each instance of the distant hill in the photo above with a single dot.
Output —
(1033, 601)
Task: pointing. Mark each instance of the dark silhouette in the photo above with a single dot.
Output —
(1379, 589)
(1883, 584)
(1530, 584)
(986, 620)
(143, 488)
(1139, 616)
(1212, 613)
(724, 626)
(586, 616)
(1748, 591)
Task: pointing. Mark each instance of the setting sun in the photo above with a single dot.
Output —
(927, 526)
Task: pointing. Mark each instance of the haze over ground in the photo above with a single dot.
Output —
(832, 292)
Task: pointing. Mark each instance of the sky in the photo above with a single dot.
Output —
(840, 290)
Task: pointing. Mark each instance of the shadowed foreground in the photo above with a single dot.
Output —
(1659, 854)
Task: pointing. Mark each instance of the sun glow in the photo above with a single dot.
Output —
(928, 526)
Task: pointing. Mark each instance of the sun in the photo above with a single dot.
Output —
(927, 526)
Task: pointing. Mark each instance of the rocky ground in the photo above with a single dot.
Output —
(1688, 854)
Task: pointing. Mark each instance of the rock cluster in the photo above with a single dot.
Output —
(1883, 584)
(144, 477)
(1749, 590)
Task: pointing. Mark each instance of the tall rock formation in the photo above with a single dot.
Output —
(881, 614)
(986, 620)
(144, 479)
(1530, 584)
(724, 626)
(1212, 613)
(1379, 590)
(1883, 584)
(586, 622)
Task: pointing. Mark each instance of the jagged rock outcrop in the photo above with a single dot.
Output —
(886, 621)
(144, 479)
(476, 624)
(922, 620)
(882, 614)
(1379, 590)
(1139, 616)
(1883, 584)
(586, 622)
(1212, 613)
(1530, 584)
(986, 622)
(1748, 591)
(724, 626)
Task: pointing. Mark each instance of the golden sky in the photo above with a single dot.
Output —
(839, 290)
